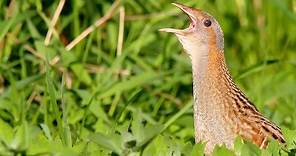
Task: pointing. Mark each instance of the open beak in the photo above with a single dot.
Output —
(190, 12)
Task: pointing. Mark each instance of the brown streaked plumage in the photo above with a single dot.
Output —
(221, 110)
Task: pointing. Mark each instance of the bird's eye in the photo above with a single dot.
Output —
(207, 23)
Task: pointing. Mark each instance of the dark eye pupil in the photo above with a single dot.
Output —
(207, 23)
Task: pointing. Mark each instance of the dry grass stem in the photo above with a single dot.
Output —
(121, 31)
(91, 28)
(34, 52)
(54, 21)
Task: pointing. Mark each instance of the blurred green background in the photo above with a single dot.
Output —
(99, 100)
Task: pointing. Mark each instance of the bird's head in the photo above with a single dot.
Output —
(202, 34)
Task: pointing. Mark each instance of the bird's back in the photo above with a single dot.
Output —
(252, 125)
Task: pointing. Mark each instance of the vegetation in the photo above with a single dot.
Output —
(99, 99)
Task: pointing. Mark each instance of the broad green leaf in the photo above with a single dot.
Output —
(290, 136)
(198, 149)
(46, 131)
(159, 146)
(219, 151)
(21, 139)
(137, 126)
(6, 132)
(81, 73)
(96, 109)
(45, 51)
(109, 142)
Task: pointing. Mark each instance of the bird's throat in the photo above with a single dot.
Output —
(199, 60)
(208, 69)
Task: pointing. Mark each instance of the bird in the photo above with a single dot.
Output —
(221, 111)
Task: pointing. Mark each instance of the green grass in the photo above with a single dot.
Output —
(96, 102)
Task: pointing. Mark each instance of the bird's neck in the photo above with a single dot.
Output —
(210, 77)
(208, 67)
